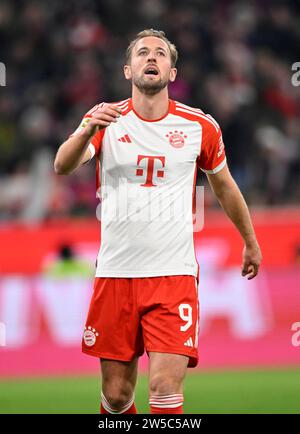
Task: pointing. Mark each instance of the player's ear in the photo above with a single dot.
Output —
(127, 72)
(173, 74)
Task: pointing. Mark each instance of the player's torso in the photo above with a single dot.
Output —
(147, 177)
(150, 154)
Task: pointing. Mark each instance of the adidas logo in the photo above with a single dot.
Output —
(189, 342)
(125, 138)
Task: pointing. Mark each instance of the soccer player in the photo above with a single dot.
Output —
(147, 151)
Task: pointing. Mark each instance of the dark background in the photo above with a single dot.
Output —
(235, 62)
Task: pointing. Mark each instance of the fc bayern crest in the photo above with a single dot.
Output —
(176, 138)
(90, 336)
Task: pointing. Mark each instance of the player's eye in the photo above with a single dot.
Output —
(161, 53)
(142, 52)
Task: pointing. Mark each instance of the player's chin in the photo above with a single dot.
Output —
(150, 86)
(150, 80)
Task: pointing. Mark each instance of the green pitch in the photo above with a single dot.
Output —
(206, 392)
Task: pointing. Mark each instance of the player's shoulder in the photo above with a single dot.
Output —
(195, 114)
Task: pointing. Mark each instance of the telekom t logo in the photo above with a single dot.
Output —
(150, 169)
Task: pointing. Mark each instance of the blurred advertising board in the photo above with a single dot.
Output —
(242, 323)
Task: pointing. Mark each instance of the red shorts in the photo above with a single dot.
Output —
(127, 315)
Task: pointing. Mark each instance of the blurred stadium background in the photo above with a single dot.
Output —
(235, 62)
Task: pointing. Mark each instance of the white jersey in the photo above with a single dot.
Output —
(146, 174)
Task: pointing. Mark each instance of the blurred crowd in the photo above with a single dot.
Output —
(235, 62)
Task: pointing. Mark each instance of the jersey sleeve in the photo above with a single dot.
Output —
(96, 141)
(212, 156)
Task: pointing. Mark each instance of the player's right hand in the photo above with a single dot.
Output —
(102, 118)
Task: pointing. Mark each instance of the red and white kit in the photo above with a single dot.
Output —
(146, 175)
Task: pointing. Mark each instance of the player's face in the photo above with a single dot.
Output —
(150, 69)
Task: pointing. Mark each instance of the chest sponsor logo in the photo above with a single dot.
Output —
(176, 138)
(150, 174)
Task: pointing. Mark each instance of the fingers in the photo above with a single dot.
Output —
(114, 107)
(108, 110)
(98, 123)
(250, 271)
(103, 117)
(245, 269)
(251, 261)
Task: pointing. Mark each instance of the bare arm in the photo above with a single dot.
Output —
(74, 151)
(233, 203)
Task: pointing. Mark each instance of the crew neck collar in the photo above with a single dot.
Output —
(171, 104)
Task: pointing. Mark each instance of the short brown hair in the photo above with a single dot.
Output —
(158, 34)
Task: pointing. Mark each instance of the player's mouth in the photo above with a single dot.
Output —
(151, 70)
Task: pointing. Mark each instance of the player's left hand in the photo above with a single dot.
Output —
(252, 258)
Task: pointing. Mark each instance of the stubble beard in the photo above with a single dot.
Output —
(149, 87)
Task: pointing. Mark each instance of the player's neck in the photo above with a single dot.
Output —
(150, 106)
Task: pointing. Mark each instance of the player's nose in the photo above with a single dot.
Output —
(151, 57)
